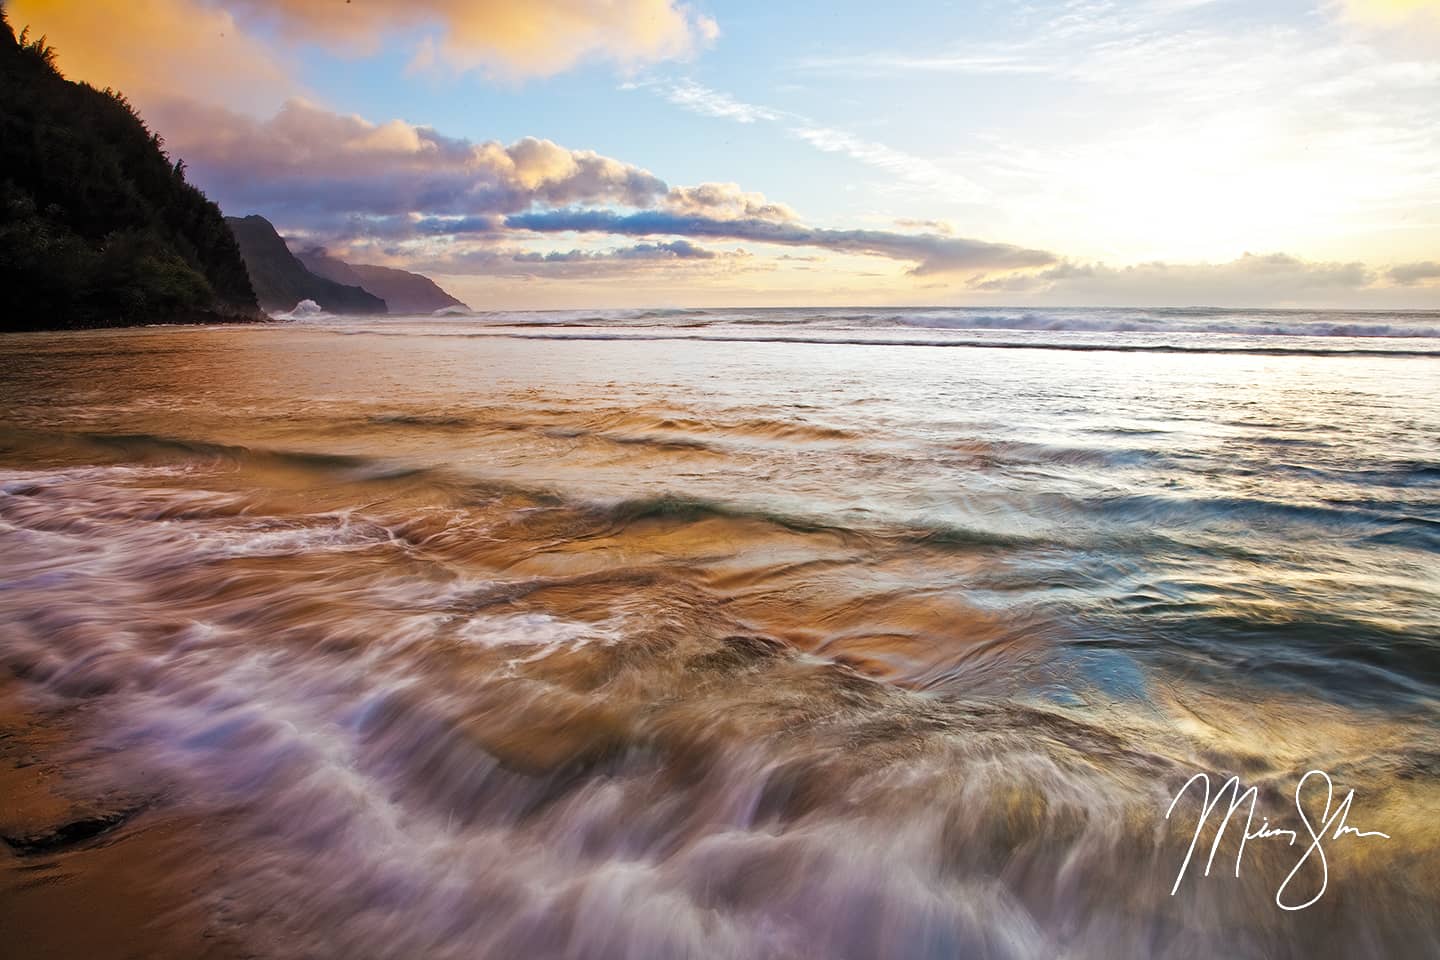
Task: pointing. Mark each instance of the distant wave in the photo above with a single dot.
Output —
(1184, 322)
(1090, 347)
(1247, 326)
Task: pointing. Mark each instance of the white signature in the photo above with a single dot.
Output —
(1318, 831)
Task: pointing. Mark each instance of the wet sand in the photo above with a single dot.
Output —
(85, 873)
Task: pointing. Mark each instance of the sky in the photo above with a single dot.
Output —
(613, 153)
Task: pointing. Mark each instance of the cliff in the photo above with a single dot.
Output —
(281, 280)
(402, 291)
(97, 226)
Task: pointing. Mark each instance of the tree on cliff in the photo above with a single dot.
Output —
(97, 226)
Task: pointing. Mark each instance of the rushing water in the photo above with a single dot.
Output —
(772, 634)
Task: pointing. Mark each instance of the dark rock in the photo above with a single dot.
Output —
(66, 834)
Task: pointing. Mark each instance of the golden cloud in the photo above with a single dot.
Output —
(201, 49)
(149, 49)
(508, 37)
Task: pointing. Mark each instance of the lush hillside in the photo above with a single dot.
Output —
(281, 281)
(97, 226)
(402, 291)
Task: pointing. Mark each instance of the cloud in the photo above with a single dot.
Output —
(501, 257)
(1393, 13)
(1256, 125)
(1411, 274)
(938, 226)
(415, 197)
(904, 168)
(341, 178)
(673, 250)
(513, 38)
(341, 173)
(149, 48)
(931, 254)
(726, 201)
(879, 64)
(209, 49)
(1252, 279)
(316, 165)
(713, 103)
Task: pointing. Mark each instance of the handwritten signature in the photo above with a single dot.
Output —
(1319, 831)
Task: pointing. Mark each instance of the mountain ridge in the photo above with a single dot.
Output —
(282, 281)
(402, 290)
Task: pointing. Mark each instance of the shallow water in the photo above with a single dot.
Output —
(697, 633)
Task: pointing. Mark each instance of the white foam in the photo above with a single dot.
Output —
(305, 310)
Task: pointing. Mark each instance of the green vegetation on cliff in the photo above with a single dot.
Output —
(97, 226)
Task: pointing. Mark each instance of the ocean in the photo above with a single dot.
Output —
(746, 633)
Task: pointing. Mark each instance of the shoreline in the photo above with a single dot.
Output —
(203, 318)
(71, 851)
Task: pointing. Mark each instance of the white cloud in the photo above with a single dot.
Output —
(905, 167)
(1275, 279)
(1422, 14)
(713, 103)
(902, 167)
